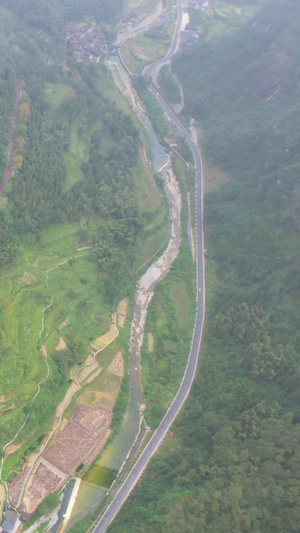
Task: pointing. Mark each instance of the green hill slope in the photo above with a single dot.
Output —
(232, 463)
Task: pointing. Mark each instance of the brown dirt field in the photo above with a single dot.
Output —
(44, 350)
(64, 323)
(150, 342)
(43, 482)
(61, 345)
(100, 443)
(117, 365)
(60, 456)
(86, 371)
(17, 486)
(122, 313)
(80, 438)
(12, 448)
(90, 358)
(80, 441)
(3, 399)
(51, 467)
(92, 420)
(76, 439)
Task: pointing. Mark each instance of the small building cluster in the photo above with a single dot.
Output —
(87, 39)
(10, 522)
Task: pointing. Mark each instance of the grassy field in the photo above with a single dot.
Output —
(57, 93)
(103, 392)
(148, 196)
(140, 52)
(146, 48)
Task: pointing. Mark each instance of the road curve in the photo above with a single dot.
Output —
(190, 371)
(173, 47)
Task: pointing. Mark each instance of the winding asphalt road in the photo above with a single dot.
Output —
(173, 47)
(185, 387)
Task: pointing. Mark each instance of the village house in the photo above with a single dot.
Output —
(10, 523)
(88, 40)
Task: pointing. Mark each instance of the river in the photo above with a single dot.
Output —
(115, 457)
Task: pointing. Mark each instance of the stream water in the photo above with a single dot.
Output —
(95, 485)
(159, 156)
(116, 457)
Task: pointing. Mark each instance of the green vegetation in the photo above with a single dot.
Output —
(146, 48)
(56, 94)
(52, 17)
(169, 85)
(49, 504)
(171, 324)
(232, 462)
(153, 109)
(7, 101)
(81, 184)
(85, 524)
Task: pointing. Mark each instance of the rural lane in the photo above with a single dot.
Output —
(184, 389)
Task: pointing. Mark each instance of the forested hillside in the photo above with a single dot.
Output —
(52, 15)
(39, 195)
(7, 100)
(71, 200)
(232, 463)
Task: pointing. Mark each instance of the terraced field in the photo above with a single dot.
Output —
(45, 288)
